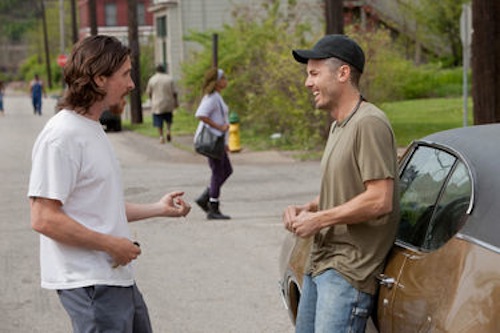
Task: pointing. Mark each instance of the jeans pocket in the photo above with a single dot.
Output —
(90, 291)
(359, 318)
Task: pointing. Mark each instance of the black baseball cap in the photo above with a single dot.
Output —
(334, 46)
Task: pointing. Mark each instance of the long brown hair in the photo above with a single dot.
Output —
(209, 81)
(92, 56)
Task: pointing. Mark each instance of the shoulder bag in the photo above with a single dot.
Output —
(210, 144)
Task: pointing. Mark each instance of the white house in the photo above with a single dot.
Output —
(174, 19)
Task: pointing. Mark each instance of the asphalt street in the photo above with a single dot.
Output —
(196, 275)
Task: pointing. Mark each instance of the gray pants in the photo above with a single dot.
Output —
(99, 309)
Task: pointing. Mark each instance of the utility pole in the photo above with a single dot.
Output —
(133, 42)
(215, 49)
(46, 44)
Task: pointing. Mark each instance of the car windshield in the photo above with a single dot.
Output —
(435, 189)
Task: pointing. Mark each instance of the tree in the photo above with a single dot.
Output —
(133, 41)
(334, 16)
(16, 18)
(438, 24)
(74, 23)
(485, 65)
(93, 17)
(46, 44)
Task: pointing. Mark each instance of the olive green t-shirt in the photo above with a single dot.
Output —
(360, 148)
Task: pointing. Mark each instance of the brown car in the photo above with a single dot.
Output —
(442, 274)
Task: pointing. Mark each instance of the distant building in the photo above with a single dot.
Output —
(175, 19)
(112, 19)
(12, 56)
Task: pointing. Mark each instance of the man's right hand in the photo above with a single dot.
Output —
(123, 251)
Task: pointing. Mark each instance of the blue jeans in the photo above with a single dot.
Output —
(329, 304)
(37, 104)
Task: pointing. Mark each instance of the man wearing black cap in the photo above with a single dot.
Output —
(354, 218)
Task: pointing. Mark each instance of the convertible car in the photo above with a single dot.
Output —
(442, 274)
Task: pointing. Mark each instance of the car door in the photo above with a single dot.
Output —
(423, 267)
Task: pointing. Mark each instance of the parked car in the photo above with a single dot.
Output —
(443, 272)
(111, 121)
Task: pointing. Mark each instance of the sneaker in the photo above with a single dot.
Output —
(169, 138)
(162, 139)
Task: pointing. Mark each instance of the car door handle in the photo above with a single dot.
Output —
(385, 280)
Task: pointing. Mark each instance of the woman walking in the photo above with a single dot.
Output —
(214, 113)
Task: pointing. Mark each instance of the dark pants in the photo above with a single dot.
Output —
(221, 170)
(159, 119)
(106, 309)
(37, 104)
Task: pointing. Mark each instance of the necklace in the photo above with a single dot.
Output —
(356, 107)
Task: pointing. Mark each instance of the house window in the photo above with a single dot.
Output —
(141, 14)
(110, 12)
(161, 26)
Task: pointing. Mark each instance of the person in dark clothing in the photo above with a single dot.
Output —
(37, 90)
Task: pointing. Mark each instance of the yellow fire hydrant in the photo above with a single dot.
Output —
(234, 132)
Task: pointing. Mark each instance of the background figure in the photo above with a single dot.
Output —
(354, 219)
(214, 113)
(37, 89)
(77, 201)
(161, 90)
(2, 92)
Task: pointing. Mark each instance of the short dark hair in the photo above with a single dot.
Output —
(160, 68)
(355, 76)
(94, 55)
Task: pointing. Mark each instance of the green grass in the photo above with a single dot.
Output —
(184, 123)
(414, 119)
(411, 120)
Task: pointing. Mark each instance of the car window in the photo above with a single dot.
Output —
(450, 213)
(435, 191)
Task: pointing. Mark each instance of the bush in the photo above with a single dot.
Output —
(147, 63)
(266, 85)
(390, 77)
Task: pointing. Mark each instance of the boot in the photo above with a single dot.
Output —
(202, 200)
(214, 212)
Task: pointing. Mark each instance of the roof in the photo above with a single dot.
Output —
(479, 147)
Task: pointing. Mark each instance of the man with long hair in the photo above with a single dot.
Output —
(77, 201)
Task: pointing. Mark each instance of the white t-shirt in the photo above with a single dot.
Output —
(73, 162)
(213, 107)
